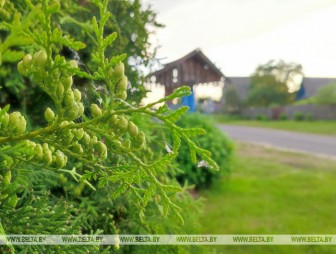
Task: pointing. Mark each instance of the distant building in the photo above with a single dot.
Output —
(312, 85)
(309, 86)
(241, 84)
(193, 69)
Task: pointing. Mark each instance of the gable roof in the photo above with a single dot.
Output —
(197, 53)
(241, 84)
(312, 85)
(193, 68)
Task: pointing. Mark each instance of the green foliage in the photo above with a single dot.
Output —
(310, 100)
(273, 82)
(292, 187)
(283, 116)
(169, 225)
(95, 164)
(132, 21)
(298, 116)
(288, 73)
(265, 91)
(261, 117)
(309, 117)
(326, 95)
(232, 101)
(193, 169)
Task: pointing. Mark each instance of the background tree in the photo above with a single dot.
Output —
(265, 91)
(274, 83)
(326, 95)
(232, 100)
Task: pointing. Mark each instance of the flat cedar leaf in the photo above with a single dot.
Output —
(172, 188)
(117, 59)
(177, 141)
(56, 33)
(109, 39)
(101, 72)
(146, 197)
(77, 45)
(70, 20)
(102, 182)
(163, 109)
(202, 151)
(97, 75)
(66, 40)
(17, 20)
(95, 58)
(105, 17)
(179, 92)
(53, 8)
(119, 191)
(193, 132)
(12, 56)
(165, 209)
(160, 208)
(24, 40)
(95, 25)
(213, 165)
(176, 115)
(4, 110)
(114, 178)
(59, 60)
(5, 26)
(192, 152)
(142, 216)
(86, 176)
(82, 74)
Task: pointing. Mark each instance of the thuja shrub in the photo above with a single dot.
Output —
(132, 20)
(216, 142)
(95, 166)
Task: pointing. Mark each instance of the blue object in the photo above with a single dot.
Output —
(189, 101)
(301, 94)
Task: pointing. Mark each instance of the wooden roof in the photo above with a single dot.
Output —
(194, 68)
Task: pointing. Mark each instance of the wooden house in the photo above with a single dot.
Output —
(192, 69)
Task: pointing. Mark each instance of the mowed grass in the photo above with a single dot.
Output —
(272, 192)
(313, 127)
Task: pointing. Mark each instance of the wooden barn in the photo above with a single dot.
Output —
(192, 69)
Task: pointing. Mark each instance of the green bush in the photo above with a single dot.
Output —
(308, 101)
(220, 146)
(95, 164)
(283, 116)
(299, 116)
(326, 95)
(309, 117)
(261, 117)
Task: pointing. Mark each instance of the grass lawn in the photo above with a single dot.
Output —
(272, 192)
(314, 127)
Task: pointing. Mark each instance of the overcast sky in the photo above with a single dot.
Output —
(237, 35)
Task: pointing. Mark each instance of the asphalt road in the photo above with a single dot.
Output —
(293, 141)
